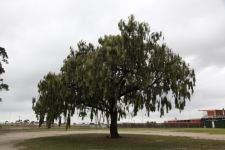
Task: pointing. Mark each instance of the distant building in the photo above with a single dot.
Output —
(213, 118)
(214, 113)
(188, 123)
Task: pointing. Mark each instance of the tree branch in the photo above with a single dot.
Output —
(129, 90)
(96, 107)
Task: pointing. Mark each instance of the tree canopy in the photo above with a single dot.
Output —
(124, 73)
(50, 102)
(3, 59)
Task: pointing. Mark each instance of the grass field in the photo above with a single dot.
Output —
(43, 128)
(128, 142)
(201, 130)
(194, 130)
(83, 128)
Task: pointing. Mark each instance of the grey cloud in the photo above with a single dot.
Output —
(37, 36)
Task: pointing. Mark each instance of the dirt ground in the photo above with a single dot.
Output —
(8, 140)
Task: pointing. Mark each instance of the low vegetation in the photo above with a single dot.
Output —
(128, 142)
(193, 130)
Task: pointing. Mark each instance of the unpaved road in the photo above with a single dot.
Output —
(8, 140)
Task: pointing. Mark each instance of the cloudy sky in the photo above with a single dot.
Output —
(37, 35)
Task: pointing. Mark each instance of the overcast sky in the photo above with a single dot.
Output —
(37, 35)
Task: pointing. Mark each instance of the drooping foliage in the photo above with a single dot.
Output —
(3, 59)
(131, 71)
(50, 102)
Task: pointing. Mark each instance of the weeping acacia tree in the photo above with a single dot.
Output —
(50, 101)
(3, 59)
(125, 73)
(133, 70)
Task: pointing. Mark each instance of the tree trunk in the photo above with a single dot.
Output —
(59, 121)
(41, 120)
(68, 122)
(113, 125)
(48, 123)
(52, 124)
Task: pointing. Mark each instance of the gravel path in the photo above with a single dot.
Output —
(8, 140)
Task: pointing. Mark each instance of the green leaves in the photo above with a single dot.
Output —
(50, 100)
(3, 59)
(134, 69)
